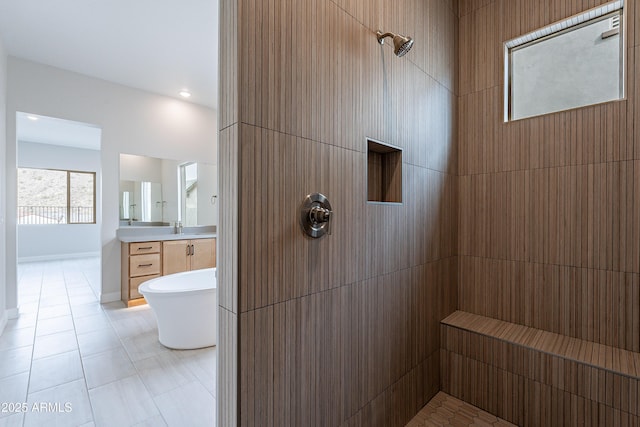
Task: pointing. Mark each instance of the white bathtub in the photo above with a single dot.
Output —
(186, 306)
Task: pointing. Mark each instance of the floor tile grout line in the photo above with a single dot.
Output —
(84, 373)
(110, 320)
(33, 346)
(77, 343)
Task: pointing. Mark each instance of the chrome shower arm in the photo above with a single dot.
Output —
(382, 36)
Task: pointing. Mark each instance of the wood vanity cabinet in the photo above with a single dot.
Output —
(141, 261)
(185, 255)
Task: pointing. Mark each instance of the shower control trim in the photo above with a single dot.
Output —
(316, 215)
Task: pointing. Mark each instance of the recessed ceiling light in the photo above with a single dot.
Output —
(34, 118)
(185, 93)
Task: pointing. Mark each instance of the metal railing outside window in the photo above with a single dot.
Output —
(31, 215)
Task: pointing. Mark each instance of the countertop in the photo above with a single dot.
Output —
(161, 237)
(151, 234)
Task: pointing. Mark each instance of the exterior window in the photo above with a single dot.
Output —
(571, 64)
(47, 196)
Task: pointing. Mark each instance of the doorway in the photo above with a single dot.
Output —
(59, 200)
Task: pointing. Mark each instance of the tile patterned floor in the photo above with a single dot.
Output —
(446, 410)
(105, 360)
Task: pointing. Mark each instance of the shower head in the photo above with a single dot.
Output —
(401, 44)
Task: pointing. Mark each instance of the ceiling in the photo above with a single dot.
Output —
(50, 130)
(161, 46)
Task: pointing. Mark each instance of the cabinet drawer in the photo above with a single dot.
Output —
(143, 265)
(135, 282)
(144, 248)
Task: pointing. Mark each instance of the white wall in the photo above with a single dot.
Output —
(132, 121)
(3, 187)
(43, 242)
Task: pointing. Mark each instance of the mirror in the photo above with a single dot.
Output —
(161, 191)
(141, 201)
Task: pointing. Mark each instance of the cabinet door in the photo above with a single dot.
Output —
(204, 253)
(175, 256)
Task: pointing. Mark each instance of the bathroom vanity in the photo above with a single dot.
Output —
(145, 256)
(154, 195)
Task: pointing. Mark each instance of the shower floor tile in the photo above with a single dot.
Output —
(446, 410)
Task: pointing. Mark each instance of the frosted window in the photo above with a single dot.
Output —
(574, 67)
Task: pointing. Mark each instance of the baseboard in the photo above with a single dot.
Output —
(55, 257)
(3, 321)
(13, 313)
(109, 297)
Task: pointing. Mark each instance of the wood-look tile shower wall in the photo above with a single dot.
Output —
(549, 208)
(342, 329)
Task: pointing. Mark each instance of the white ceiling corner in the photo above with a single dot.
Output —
(160, 46)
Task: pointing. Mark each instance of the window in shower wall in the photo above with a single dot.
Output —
(570, 64)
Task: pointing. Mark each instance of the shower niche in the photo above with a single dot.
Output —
(384, 172)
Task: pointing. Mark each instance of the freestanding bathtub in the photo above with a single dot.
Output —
(186, 307)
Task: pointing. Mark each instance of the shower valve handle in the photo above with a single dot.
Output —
(316, 215)
(320, 215)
